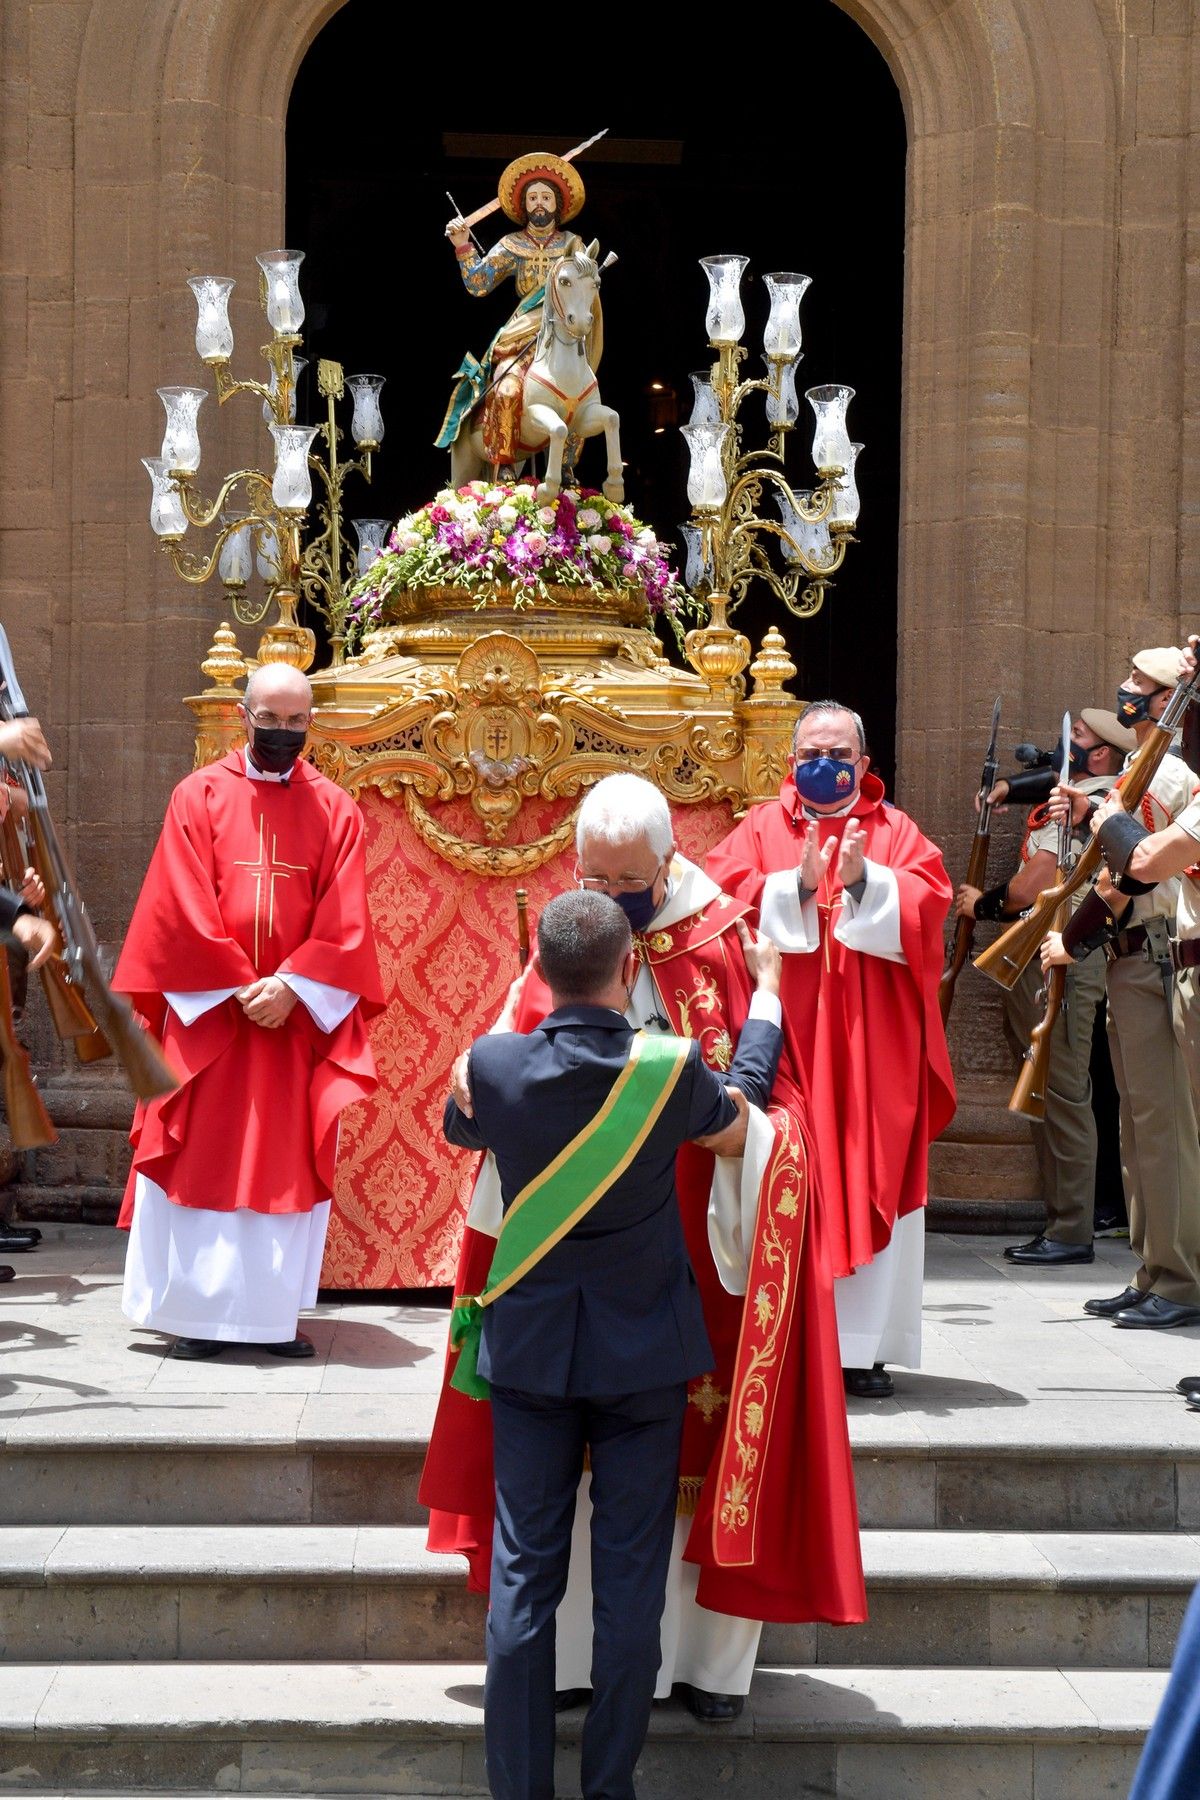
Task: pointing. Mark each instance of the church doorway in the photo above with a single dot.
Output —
(814, 184)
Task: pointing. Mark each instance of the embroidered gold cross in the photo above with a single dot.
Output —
(707, 1399)
(271, 871)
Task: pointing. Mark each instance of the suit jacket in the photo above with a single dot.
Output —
(11, 908)
(613, 1308)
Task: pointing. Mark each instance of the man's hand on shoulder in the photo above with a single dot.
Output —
(732, 1140)
(267, 1002)
(460, 1085)
(763, 959)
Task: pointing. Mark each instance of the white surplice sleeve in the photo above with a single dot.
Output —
(190, 1007)
(328, 1005)
(733, 1203)
(486, 1211)
(872, 924)
(795, 928)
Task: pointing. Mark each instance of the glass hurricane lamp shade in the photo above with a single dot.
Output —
(266, 552)
(285, 308)
(783, 406)
(366, 427)
(167, 517)
(706, 408)
(299, 363)
(706, 488)
(782, 335)
(846, 504)
(181, 440)
(291, 488)
(698, 571)
(235, 564)
(214, 333)
(813, 539)
(724, 319)
(831, 440)
(371, 535)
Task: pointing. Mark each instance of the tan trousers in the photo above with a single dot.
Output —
(1186, 1016)
(1065, 1140)
(1160, 1149)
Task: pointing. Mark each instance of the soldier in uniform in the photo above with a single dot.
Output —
(1065, 1141)
(1160, 1145)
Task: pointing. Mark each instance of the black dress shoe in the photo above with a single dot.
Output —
(864, 1384)
(1048, 1253)
(566, 1698)
(1157, 1314)
(1186, 1383)
(1192, 1394)
(1125, 1301)
(713, 1709)
(7, 1272)
(296, 1348)
(195, 1349)
(16, 1237)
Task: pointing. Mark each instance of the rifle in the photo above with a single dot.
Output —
(522, 926)
(69, 1011)
(1029, 1094)
(1006, 959)
(29, 1124)
(964, 931)
(140, 1054)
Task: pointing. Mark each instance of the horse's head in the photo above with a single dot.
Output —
(571, 289)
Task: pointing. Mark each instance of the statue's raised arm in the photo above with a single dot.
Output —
(535, 386)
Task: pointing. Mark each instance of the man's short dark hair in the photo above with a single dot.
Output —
(582, 938)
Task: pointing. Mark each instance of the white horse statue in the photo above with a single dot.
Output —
(559, 395)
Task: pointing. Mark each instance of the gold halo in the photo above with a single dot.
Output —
(554, 169)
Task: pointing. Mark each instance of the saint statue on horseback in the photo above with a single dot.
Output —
(535, 387)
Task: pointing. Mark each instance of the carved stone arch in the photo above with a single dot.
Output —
(1010, 291)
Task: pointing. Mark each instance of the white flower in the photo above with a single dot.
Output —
(547, 514)
(471, 530)
(601, 544)
(446, 497)
(407, 540)
(507, 512)
(587, 519)
(494, 497)
(647, 537)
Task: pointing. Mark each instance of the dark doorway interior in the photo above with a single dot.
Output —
(819, 189)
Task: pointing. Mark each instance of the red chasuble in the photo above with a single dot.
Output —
(251, 878)
(765, 1461)
(866, 1034)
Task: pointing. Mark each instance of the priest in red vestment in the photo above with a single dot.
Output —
(855, 896)
(768, 1526)
(249, 953)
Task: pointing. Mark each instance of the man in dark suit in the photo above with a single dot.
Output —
(590, 1349)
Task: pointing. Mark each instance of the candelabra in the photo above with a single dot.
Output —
(724, 542)
(266, 532)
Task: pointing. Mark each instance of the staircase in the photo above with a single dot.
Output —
(231, 1593)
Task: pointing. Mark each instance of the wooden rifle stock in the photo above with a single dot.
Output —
(69, 1011)
(139, 1053)
(1029, 1094)
(29, 1124)
(522, 926)
(1006, 960)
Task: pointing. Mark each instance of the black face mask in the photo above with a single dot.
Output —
(1079, 760)
(275, 749)
(1134, 709)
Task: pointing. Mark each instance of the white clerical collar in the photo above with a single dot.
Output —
(257, 774)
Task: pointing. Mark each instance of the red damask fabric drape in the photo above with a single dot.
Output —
(447, 946)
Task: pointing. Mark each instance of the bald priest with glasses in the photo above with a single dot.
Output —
(250, 954)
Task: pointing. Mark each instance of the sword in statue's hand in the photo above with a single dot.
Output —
(483, 212)
(459, 223)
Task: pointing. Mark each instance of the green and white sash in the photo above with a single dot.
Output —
(556, 1200)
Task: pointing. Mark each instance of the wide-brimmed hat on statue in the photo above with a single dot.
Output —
(540, 165)
(1161, 665)
(1108, 728)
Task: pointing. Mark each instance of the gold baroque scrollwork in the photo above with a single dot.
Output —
(487, 859)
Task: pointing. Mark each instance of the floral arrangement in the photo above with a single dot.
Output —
(499, 535)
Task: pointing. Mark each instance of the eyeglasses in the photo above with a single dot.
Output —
(268, 722)
(624, 884)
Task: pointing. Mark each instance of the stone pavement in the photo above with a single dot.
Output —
(212, 1575)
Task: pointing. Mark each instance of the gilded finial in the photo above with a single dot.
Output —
(771, 667)
(224, 665)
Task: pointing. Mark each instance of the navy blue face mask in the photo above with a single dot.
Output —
(823, 781)
(639, 909)
(1133, 709)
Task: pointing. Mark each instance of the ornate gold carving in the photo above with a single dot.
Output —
(224, 665)
(771, 667)
(487, 859)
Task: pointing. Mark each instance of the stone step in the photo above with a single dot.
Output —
(415, 1729)
(355, 1459)
(308, 1593)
